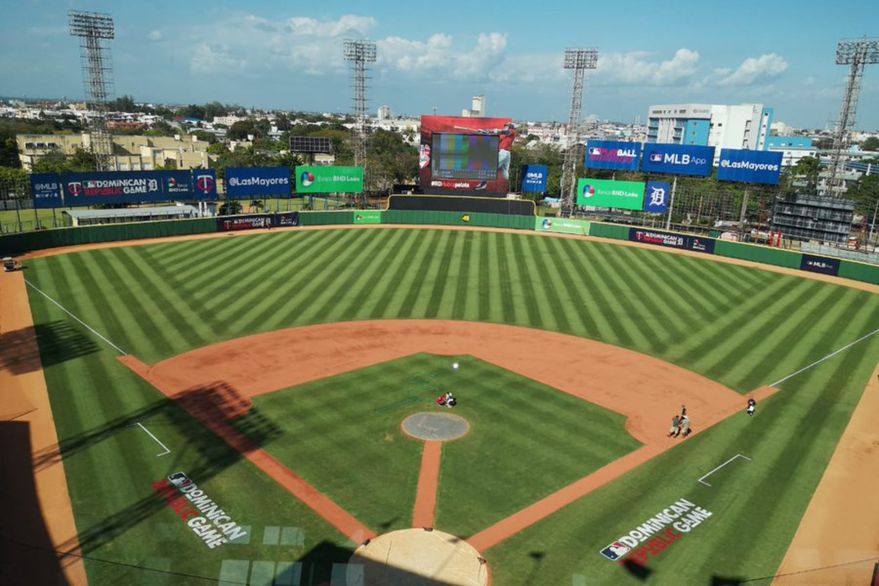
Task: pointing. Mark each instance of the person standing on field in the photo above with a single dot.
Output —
(752, 406)
(675, 426)
(685, 426)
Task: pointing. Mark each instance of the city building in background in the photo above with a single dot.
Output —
(477, 108)
(792, 148)
(744, 126)
(384, 112)
(129, 153)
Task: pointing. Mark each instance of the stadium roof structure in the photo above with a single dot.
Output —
(133, 214)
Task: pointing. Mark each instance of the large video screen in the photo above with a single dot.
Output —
(464, 156)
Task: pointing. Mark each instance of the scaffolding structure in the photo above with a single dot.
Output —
(578, 60)
(359, 53)
(856, 54)
(95, 29)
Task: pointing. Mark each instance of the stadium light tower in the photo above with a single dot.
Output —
(856, 54)
(578, 60)
(95, 29)
(359, 53)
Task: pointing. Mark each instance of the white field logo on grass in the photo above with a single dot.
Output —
(659, 532)
(202, 515)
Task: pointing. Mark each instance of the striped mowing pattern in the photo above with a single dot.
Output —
(741, 326)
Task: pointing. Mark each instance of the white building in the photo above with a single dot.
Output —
(477, 108)
(744, 126)
(384, 112)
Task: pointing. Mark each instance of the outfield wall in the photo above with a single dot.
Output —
(749, 252)
(19, 243)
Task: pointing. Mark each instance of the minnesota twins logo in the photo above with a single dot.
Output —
(204, 183)
(74, 188)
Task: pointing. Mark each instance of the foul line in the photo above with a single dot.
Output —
(64, 309)
(721, 466)
(820, 360)
(167, 451)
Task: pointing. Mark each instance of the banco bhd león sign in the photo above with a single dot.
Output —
(604, 193)
(329, 179)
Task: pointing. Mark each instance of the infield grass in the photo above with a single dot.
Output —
(740, 326)
(343, 435)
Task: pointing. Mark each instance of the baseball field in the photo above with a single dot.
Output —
(231, 410)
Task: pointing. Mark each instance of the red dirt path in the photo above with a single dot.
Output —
(428, 483)
(646, 390)
(25, 398)
(838, 543)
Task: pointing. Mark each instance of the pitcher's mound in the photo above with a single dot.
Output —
(435, 426)
(417, 557)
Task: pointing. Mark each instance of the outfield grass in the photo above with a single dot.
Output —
(741, 326)
(343, 435)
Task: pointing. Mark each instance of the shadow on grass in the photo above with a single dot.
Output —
(22, 521)
(58, 340)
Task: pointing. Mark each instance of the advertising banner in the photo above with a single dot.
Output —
(656, 197)
(204, 184)
(86, 189)
(820, 264)
(46, 190)
(465, 156)
(667, 239)
(612, 154)
(235, 223)
(257, 182)
(746, 166)
(534, 178)
(605, 193)
(324, 179)
(285, 219)
(678, 159)
(562, 225)
(368, 217)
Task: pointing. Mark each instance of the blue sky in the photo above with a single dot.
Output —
(273, 53)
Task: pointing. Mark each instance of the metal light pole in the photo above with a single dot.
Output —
(857, 54)
(95, 29)
(578, 60)
(359, 53)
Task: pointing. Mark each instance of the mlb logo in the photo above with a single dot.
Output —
(615, 551)
(655, 157)
(596, 151)
(178, 478)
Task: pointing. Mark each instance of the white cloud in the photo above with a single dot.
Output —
(347, 24)
(252, 42)
(637, 68)
(752, 70)
(155, 35)
(442, 56)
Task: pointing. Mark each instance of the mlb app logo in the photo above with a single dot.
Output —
(588, 190)
(615, 551)
(655, 157)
